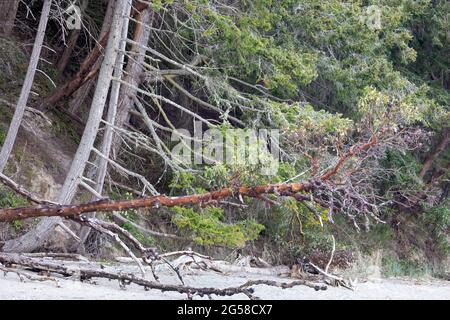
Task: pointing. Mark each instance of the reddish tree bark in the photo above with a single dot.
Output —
(11, 214)
(283, 189)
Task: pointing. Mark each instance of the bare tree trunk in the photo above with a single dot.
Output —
(8, 11)
(36, 237)
(133, 72)
(26, 88)
(110, 118)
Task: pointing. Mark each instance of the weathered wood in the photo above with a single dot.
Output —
(123, 278)
(110, 118)
(127, 278)
(86, 73)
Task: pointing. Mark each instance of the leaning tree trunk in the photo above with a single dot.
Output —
(8, 11)
(35, 237)
(110, 118)
(26, 88)
(133, 73)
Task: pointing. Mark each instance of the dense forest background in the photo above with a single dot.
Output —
(365, 82)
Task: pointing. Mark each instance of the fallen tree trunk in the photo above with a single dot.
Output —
(10, 214)
(106, 205)
(123, 278)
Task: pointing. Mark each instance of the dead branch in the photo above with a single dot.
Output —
(335, 280)
(120, 220)
(105, 228)
(22, 275)
(283, 285)
(57, 255)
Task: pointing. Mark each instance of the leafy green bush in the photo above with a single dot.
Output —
(208, 227)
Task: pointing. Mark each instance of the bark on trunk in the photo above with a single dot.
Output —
(88, 70)
(36, 237)
(62, 63)
(26, 88)
(8, 11)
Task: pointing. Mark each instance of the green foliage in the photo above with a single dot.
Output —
(2, 134)
(392, 266)
(208, 227)
(147, 241)
(247, 46)
(437, 220)
(9, 199)
(17, 225)
(13, 65)
(404, 168)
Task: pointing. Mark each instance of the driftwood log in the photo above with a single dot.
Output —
(85, 274)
